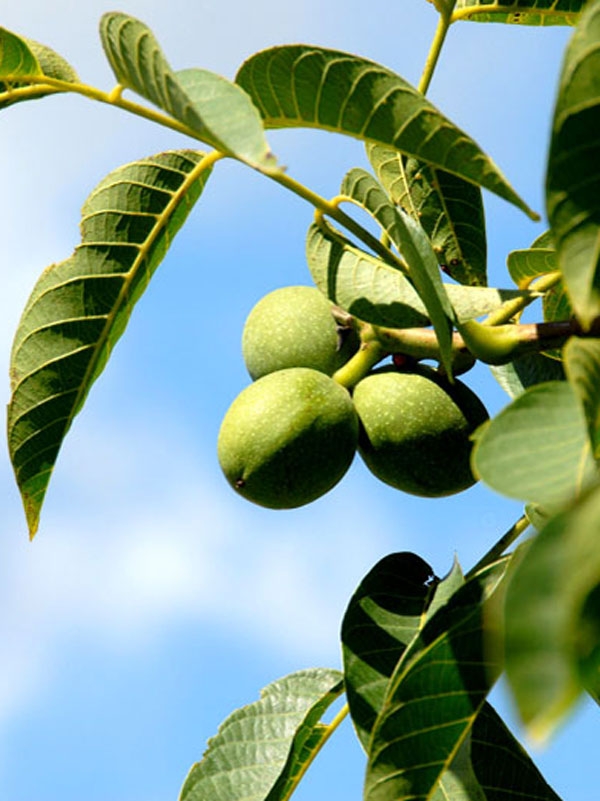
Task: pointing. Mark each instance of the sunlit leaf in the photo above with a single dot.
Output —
(520, 12)
(537, 449)
(216, 109)
(304, 86)
(551, 652)
(526, 265)
(260, 747)
(526, 371)
(573, 179)
(415, 248)
(582, 363)
(80, 307)
(433, 698)
(378, 292)
(23, 58)
(449, 209)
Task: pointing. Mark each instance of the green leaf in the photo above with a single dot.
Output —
(551, 652)
(573, 179)
(380, 294)
(215, 109)
(80, 307)
(23, 58)
(449, 209)
(434, 696)
(527, 371)
(304, 86)
(415, 248)
(537, 449)
(520, 12)
(582, 363)
(383, 617)
(526, 265)
(260, 748)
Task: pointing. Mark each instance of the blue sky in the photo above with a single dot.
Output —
(154, 601)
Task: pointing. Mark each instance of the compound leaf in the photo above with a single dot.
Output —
(260, 748)
(573, 178)
(304, 86)
(537, 449)
(520, 12)
(552, 617)
(217, 110)
(526, 265)
(433, 697)
(379, 293)
(449, 209)
(415, 248)
(22, 58)
(582, 364)
(80, 307)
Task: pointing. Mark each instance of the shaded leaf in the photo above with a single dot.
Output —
(304, 86)
(379, 293)
(383, 616)
(537, 449)
(259, 747)
(582, 363)
(551, 652)
(527, 371)
(217, 110)
(449, 209)
(520, 12)
(21, 58)
(415, 248)
(573, 178)
(433, 698)
(80, 307)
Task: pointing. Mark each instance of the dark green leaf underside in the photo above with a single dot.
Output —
(259, 748)
(520, 12)
(434, 696)
(582, 363)
(449, 209)
(379, 293)
(304, 86)
(80, 307)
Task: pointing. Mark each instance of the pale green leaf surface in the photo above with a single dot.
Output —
(526, 371)
(79, 308)
(573, 178)
(258, 748)
(379, 293)
(526, 265)
(520, 12)
(549, 648)
(414, 246)
(20, 58)
(217, 110)
(582, 364)
(433, 698)
(449, 209)
(304, 86)
(537, 449)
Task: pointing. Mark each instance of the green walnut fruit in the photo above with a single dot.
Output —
(288, 438)
(294, 327)
(415, 430)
